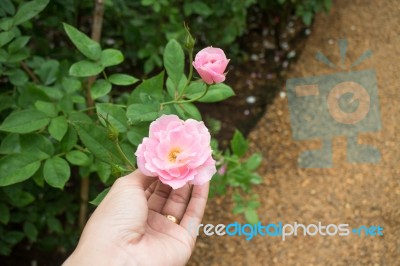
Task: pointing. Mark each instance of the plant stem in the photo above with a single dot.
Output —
(123, 155)
(96, 33)
(187, 101)
(190, 74)
(29, 72)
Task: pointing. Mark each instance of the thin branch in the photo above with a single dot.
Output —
(96, 34)
(29, 72)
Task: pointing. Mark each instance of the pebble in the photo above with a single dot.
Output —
(251, 100)
(254, 57)
(307, 31)
(285, 45)
(330, 41)
(291, 54)
(268, 45)
(285, 64)
(246, 112)
(282, 94)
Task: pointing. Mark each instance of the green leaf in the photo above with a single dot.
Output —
(58, 127)
(239, 144)
(6, 23)
(174, 91)
(47, 107)
(24, 199)
(197, 7)
(24, 121)
(3, 56)
(19, 56)
(78, 158)
(111, 57)
(10, 144)
(69, 140)
(254, 161)
(38, 178)
(96, 140)
(4, 214)
(45, 92)
(138, 113)
(251, 216)
(16, 168)
(56, 172)
(7, 6)
(216, 93)
(152, 87)
(307, 17)
(174, 61)
(100, 88)
(48, 72)
(136, 134)
(12, 237)
(104, 171)
(238, 209)
(85, 68)
(71, 85)
(18, 44)
(54, 225)
(122, 79)
(6, 37)
(18, 77)
(30, 231)
(188, 110)
(100, 197)
(85, 45)
(114, 114)
(28, 10)
(36, 143)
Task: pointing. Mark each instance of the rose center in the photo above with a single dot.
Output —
(173, 153)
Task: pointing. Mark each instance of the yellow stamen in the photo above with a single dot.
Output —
(173, 153)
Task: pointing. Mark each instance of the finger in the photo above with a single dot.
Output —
(195, 210)
(160, 195)
(150, 190)
(177, 202)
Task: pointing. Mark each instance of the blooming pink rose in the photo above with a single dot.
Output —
(177, 151)
(211, 63)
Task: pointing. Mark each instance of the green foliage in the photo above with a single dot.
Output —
(65, 116)
(305, 9)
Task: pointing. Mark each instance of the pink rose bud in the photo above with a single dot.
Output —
(177, 151)
(211, 63)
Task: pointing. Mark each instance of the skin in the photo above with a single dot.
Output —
(129, 226)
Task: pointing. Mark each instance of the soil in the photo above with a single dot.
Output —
(354, 194)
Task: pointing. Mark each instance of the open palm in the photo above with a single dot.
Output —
(130, 228)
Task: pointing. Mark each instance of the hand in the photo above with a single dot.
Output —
(129, 227)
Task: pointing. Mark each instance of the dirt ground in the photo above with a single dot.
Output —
(356, 194)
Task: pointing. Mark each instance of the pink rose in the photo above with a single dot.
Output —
(177, 151)
(211, 63)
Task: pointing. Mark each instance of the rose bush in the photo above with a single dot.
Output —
(211, 63)
(177, 151)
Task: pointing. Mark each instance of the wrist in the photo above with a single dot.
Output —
(105, 254)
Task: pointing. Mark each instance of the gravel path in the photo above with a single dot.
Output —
(356, 194)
